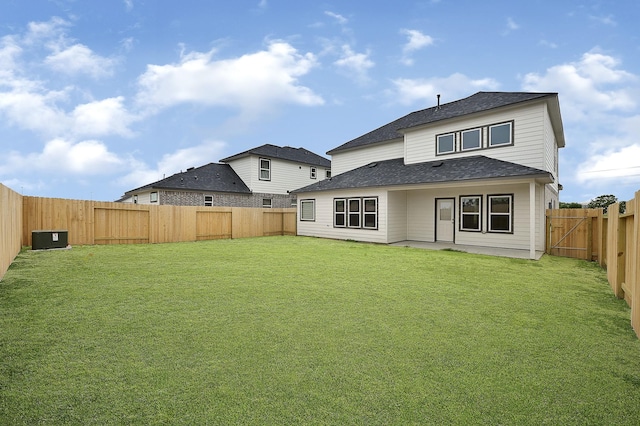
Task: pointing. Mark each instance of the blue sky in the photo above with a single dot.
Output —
(97, 98)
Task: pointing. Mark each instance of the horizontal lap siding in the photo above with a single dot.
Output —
(421, 216)
(529, 137)
(349, 160)
(397, 216)
(323, 224)
(286, 176)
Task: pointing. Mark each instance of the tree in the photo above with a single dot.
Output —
(602, 202)
(572, 205)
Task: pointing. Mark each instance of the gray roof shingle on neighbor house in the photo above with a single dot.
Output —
(212, 177)
(479, 102)
(395, 172)
(297, 155)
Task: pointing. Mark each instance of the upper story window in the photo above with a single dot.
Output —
(501, 134)
(153, 197)
(314, 172)
(327, 174)
(446, 143)
(265, 169)
(471, 139)
(135, 199)
(483, 137)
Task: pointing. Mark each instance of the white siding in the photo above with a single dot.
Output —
(397, 214)
(529, 137)
(286, 176)
(323, 225)
(410, 215)
(349, 160)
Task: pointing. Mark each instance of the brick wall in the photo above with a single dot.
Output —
(189, 198)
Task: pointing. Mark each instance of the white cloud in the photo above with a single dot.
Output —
(108, 116)
(63, 157)
(424, 91)
(128, 5)
(416, 41)
(605, 20)
(512, 25)
(79, 59)
(355, 64)
(251, 82)
(339, 18)
(141, 174)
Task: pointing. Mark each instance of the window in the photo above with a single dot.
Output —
(135, 199)
(471, 139)
(327, 174)
(446, 143)
(500, 213)
(266, 203)
(361, 212)
(353, 214)
(500, 134)
(370, 214)
(265, 169)
(153, 197)
(314, 172)
(470, 216)
(339, 212)
(308, 210)
(208, 200)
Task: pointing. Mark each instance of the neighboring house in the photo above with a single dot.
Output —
(478, 171)
(260, 177)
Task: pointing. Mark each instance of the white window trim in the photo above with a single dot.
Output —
(342, 213)
(438, 143)
(490, 214)
(351, 214)
(313, 210)
(510, 124)
(365, 213)
(266, 205)
(327, 173)
(313, 172)
(153, 199)
(463, 213)
(210, 202)
(476, 130)
(261, 169)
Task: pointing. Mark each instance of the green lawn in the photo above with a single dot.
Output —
(292, 330)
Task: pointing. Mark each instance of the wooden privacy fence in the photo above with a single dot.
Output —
(612, 240)
(10, 227)
(94, 222)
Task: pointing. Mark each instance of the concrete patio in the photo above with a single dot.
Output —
(491, 251)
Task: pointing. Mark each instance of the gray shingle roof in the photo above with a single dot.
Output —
(212, 177)
(481, 101)
(395, 172)
(298, 155)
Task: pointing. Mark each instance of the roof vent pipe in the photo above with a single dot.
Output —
(438, 96)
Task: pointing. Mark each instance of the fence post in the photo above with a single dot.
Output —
(634, 283)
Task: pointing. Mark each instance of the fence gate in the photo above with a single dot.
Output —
(570, 232)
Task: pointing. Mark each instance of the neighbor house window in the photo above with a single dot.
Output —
(265, 169)
(135, 199)
(153, 197)
(470, 216)
(327, 174)
(308, 210)
(471, 139)
(500, 134)
(340, 212)
(500, 213)
(314, 172)
(208, 200)
(266, 203)
(353, 212)
(370, 214)
(446, 143)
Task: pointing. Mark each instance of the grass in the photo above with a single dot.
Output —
(292, 330)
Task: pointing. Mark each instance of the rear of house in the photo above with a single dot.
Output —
(478, 171)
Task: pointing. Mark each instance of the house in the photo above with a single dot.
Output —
(477, 171)
(263, 176)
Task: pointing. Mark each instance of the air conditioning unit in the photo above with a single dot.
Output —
(41, 240)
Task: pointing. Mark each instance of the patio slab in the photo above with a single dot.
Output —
(491, 251)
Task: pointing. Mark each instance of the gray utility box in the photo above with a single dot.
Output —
(49, 239)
